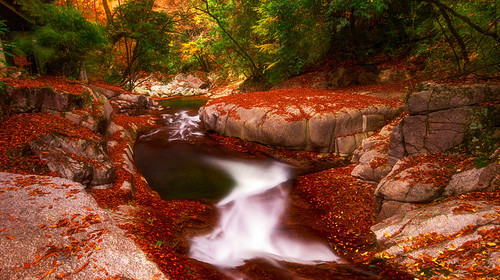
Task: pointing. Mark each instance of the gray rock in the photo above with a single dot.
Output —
(279, 132)
(55, 215)
(24, 99)
(442, 117)
(108, 93)
(400, 237)
(476, 179)
(372, 155)
(401, 186)
(414, 133)
(436, 97)
(339, 132)
(392, 208)
(397, 149)
(321, 128)
(83, 161)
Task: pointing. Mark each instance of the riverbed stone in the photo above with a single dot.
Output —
(54, 227)
(299, 125)
(413, 236)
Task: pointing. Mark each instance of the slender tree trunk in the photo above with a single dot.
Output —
(240, 50)
(467, 20)
(107, 11)
(457, 59)
(458, 38)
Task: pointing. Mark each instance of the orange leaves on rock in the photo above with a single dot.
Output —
(55, 82)
(438, 177)
(465, 207)
(471, 257)
(298, 104)
(19, 130)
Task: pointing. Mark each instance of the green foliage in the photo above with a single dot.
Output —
(293, 35)
(62, 39)
(146, 35)
(5, 44)
(260, 39)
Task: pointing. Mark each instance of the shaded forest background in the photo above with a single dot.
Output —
(266, 41)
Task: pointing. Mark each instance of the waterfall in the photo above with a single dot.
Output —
(250, 215)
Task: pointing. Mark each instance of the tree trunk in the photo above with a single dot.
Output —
(109, 16)
(240, 50)
(460, 41)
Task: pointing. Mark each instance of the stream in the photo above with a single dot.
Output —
(249, 191)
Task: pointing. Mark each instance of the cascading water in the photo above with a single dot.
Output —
(187, 126)
(249, 221)
(250, 216)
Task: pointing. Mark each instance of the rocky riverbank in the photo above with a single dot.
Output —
(436, 192)
(434, 171)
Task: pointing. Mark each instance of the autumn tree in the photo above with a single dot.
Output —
(142, 38)
(464, 33)
(62, 40)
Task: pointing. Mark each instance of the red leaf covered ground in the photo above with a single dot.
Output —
(19, 130)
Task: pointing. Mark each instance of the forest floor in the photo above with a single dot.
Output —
(160, 227)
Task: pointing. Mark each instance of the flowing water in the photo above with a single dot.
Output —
(250, 193)
(250, 218)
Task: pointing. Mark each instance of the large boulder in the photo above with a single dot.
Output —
(423, 179)
(53, 229)
(306, 119)
(455, 237)
(82, 160)
(442, 117)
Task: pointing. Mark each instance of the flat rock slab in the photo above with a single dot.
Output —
(455, 237)
(51, 228)
(300, 119)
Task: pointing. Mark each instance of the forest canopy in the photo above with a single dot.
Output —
(265, 40)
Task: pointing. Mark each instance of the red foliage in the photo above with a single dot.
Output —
(345, 206)
(55, 82)
(19, 130)
(298, 104)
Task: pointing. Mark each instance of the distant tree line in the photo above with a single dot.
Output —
(266, 40)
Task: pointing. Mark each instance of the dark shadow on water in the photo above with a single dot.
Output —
(179, 172)
(193, 102)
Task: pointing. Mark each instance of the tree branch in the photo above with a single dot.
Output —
(466, 20)
(241, 51)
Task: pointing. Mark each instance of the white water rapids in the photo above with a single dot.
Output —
(249, 221)
(250, 216)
